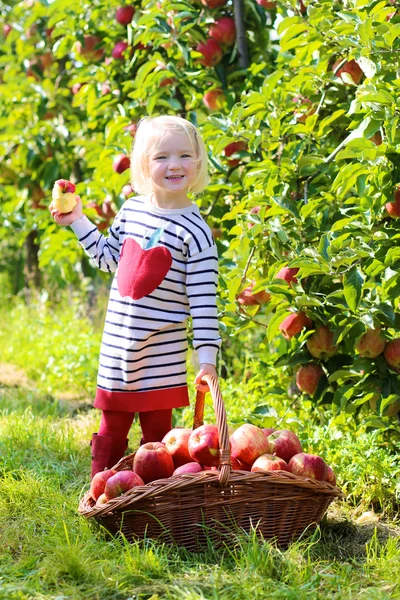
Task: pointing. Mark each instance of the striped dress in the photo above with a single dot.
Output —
(165, 263)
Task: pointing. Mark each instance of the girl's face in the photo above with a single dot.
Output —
(173, 166)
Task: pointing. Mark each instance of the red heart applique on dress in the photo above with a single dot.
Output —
(141, 271)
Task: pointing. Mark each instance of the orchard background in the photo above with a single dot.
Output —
(299, 106)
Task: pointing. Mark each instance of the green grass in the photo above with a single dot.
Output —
(48, 551)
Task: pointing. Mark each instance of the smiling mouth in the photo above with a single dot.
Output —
(175, 177)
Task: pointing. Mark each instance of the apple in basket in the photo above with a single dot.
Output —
(330, 475)
(190, 467)
(284, 443)
(204, 445)
(269, 462)
(176, 441)
(121, 482)
(99, 481)
(153, 461)
(248, 442)
(101, 500)
(308, 465)
(238, 465)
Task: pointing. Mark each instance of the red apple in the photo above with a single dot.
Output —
(101, 500)
(124, 14)
(293, 324)
(121, 163)
(330, 475)
(76, 87)
(266, 4)
(211, 51)
(214, 99)
(350, 67)
(190, 467)
(284, 443)
(392, 353)
(119, 49)
(287, 274)
(106, 208)
(6, 29)
(153, 461)
(176, 441)
(203, 445)
(267, 431)
(214, 3)
(248, 442)
(232, 149)
(308, 465)
(308, 376)
(238, 465)
(305, 109)
(372, 343)
(320, 343)
(224, 31)
(393, 208)
(269, 462)
(127, 190)
(132, 128)
(90, 48)
(389, 411)
(99, 481)
(121, 482)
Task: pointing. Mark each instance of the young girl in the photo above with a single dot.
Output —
(165, 261)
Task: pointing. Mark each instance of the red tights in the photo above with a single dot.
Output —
(154, 424)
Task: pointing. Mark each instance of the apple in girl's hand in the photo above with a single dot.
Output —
(269, 462)
(308, 465)
(203, 445)
(190, 467)
(153, 461)
(101, 500)
(176, 441)
(120, 483)
(284, 443)
(63, 195)
(99, 481)
(248, 442)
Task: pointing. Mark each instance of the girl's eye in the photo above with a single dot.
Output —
(159, 157)
(186, 156)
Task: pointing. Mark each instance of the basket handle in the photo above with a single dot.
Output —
(222, 424)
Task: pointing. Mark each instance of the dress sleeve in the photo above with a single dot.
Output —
(103, 250)
(201, 290)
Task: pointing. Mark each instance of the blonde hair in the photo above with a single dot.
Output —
(149, 135)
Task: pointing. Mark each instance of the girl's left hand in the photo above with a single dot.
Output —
(205, 369)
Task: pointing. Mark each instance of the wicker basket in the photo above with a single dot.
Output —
(196, 509)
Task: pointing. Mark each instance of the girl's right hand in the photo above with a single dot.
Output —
(67, 218)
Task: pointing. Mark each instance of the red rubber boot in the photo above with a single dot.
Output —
(106, 451)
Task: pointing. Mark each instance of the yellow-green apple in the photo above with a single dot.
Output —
(372, 343)
(266, 4)
(121, 482)
(101, 500)
(233, 148)
(224, 31)
(214, 99)
(63, 196)
(153, 461)
(127, 190)
(392, 353)
(308, 465)
(121, 163)
(287, 274)
(119, 49)
(320, 343)
(99, 481)
(284, 443)
(293, 324)
(90, 48)
(248, 442)
(190, 467)
(203, 445)
(351, 68)
(393, 208)
(124, 14)
(308, 376)
(211, 51)
(269, 462)
(176, 442)
(214, 3)
(330, 475)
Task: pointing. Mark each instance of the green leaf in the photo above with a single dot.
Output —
(274, 323)
(392, 34)
(353, 282)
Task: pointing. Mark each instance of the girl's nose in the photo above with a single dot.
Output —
(173, 162)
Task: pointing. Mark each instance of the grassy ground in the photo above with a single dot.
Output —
(47, 551)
